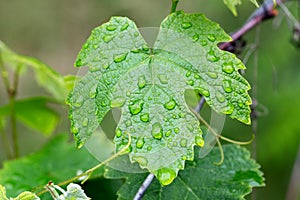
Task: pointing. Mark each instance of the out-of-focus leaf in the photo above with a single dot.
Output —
(57, 161)
(34, 113)
(23, 196)
(231, 4)
(201, 179)
(52, 81)
(3, 193)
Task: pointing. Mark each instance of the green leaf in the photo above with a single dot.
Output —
(149, 84)
(34, 113)
(49, 79)
(231, 4)
(57, 161)
(23, 196)
(201, 179)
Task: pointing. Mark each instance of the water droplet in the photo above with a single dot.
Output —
(196, 76)
(107, 38)
(195, 37)
(93, 92)
(128, 123)
(168, 133)
(204, 92)
(136, 107)
(135, 51)
(117, 102)
(211, 56)
(162, 78)
(174, 116)
(124, 27)
(186, 25)
(199, 141)
(85, 121)
(241, 104)
(86, 45)
(211, 38)
(149, 148)
(230, 109)
(188, 74)
(165, 176)
(145, 47)
(79, 144)
(227, 86)
(175, 144)
(181, 115)
(170, 105)
(183, 142)
(140, 143)
(228, 68)
(190, 82)
(157, 131)
(103, 103)
(74, 130)
(212, 75)
(176, 130)
(111, 27)
(183, 157)
(95, 46)
(118, 132)
(141, 160)
(203, 43)
(128, 94)
(136, 34)
(78, 103)
(141, 82)
(220, 97)
(120, 57)
(105, 66)
(145, 117)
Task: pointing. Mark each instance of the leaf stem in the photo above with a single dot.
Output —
(89, 172)
(174, 6)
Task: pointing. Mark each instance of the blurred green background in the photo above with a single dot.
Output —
(53, 31)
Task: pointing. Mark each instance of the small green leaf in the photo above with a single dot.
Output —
(23, 196)
(149, 85)
(57, 161)
(74, 192)
(201, 179)
(49, 79)
(34, 113)
(231, 4)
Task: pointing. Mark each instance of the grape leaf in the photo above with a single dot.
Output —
(54, 162)
(49, 79)
(34, 113)
(231, 4)
(23, 196)
(201, 179)
(149, 84)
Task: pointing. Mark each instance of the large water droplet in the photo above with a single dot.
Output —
(211, 56)
(157, 131)
(195, 37)
(136, 107)
(212, 75)
(186, 25)
(85, 122)
(118, 133)
(74, 130)
(145, 117)
(117, 102)
(170, 105)
(141, 82)
(140, 142)
(111, 27)
(162, 78)
(227, 86)
(176, 130)
(183, 142)
(199, 141)
(141, 160)
(228, 68)
(188, 74)
(78, 103)
(166, 176)
(204, 92)
(120, 57)
(190, 82)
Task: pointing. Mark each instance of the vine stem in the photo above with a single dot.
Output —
(144, 187)
(174, 6)
(89, 172)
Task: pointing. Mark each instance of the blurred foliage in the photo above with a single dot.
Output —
(54, 31)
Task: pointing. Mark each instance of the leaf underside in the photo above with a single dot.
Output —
(231, 4)
(201, 179)
(148, 84)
